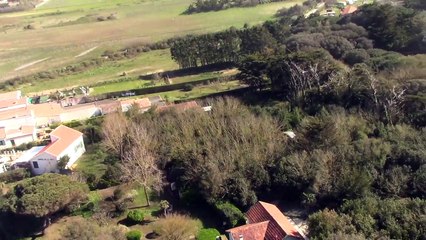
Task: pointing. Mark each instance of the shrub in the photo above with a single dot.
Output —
(208, 234)
(134, 235)
(136, 216)
(188, 87)
(121, 206)
(230, 214)
(177, 227)
(355, 56)
(118, 194)
(14, 175)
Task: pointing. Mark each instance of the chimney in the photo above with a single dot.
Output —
(241, 237)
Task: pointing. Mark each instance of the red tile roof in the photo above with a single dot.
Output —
(108, 106)
(349, 9)
(254, 231)
(15, 113)
(10, 95)
(143, 103)
(15, 133)
(66, 136)
(46, 109)
(12, 102)
(180, 106)
(279, 225)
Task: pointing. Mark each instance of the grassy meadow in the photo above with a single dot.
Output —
(64, 29)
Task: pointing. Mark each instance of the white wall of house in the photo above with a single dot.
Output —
(44, 163)
(74, 151)
(8, 143)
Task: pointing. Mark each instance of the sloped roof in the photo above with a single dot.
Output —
(65, 137)
(180, 106)
(15, 113)
(29, 154)
(108, 106)
(349, 9)
(279, 225)
(141, 102)
(46, 109)
(15, 133)
(254, 231)
(6, 103)
(10, 95)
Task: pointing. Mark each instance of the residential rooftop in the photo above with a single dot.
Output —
(65, 136)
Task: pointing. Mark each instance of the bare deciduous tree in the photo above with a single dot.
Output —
(305, 78)
(114, 130)
(139, 164)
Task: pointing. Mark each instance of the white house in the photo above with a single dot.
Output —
(15, 137)
(65, 141)
(17, 126)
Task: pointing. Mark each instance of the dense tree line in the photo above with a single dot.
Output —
(215, 5)
(366, 36)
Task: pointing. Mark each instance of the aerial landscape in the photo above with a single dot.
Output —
(212, 119)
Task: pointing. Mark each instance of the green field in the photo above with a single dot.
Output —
(197, 92)
(137, 83)
(65, 29)
(153, 61)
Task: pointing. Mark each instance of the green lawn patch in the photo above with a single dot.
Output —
(199, 91)
(208, 234)
(92, 162)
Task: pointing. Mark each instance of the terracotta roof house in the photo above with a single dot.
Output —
(108, 106)
(46, 113)
(65, 141)
(11, 104)
(180, 106)
(143, 103)
(11, 137)
(265, 221)
(79, 112)
(15, 95)
(17, 126)
(349, 9)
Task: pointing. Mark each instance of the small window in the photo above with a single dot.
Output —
(2, 143)
(35, 164)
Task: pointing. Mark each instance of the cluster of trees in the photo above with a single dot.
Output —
(216, 5)
(371, 218)
(237, 154)
(30, 203)
(365, 37)
(222, 47)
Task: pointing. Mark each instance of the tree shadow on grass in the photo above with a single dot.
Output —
(152, 235)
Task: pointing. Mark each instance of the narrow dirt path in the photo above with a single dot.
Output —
(86, 52)
(30, 64)
(42, 3)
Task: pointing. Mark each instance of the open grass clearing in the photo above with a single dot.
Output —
(137, 22)
(137, 83)
(197, 92)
